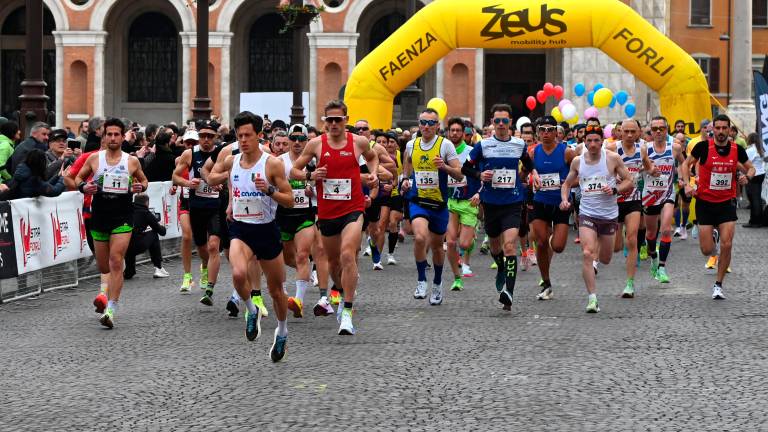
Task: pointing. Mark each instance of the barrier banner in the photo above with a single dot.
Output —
(8, 267)
(48, 231)
(165, 206)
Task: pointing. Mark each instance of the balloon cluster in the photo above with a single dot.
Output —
(603, 97)
(542, 95)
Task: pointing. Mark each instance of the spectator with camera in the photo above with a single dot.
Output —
(58, 154)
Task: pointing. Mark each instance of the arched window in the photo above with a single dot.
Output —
(270, 56)
(153, 59)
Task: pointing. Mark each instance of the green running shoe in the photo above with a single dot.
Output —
(458, 284)
(493, 265)
(643, 252)
(207, 300)
(592, 306)
(107, 320)
(654, 267)
(661, 275)
(186, 283)
(258, 301)
(203, 277)
(629, 290)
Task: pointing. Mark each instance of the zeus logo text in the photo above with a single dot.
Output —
(517, 23)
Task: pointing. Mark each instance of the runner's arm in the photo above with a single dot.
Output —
(310, 150)
(86, 170)
(276, 174)
(384, 159)
(221, 168)
(215, 177)
(138, 173)
(627, 182)
(573, 174)
(182, 164)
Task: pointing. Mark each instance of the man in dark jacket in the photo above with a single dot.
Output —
(145, 237)
(159, 165)
(58, 153)
(38, 139)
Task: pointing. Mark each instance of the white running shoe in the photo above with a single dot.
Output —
(683, 233)
(717, 293)
(378, 266)
(391, 259)
(323, 307)
(160, 273)
(367, 251)
(345, 326)
(677, 232)
(437, 295)
(315, 281)
(466, 271)
(421, 290)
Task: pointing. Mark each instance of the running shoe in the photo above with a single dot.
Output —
(541, 282)
(695, 232)
(458, 284)
(505, 298)
(295, 306)
(577, 240)
(717, 293)
(524, 261)
(108, 319)
(367, 251)
(186, 283)
(662, 276)
(629, 289)
(323, 307)
(728, 270)
(279, 344)
(378, 266)
(335, 297)
(207, 298)
(684, 233)
(345, 324)
(545, 294)
(654, 266)
(100, 302)
(391, 259)
(421, 290)
(203, 277)
(437, 295)
(493, 265)
(532, 260)
(711, 263)
(485, 247)
(232, 306)
(160, 273)
(643, 252)
(592, 306)
(258, 301)
(252, 324)
(466, 271)
(678, 232)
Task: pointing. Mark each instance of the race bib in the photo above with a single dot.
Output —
(593, 184)
(116, 183)
(452, 182)
(300, 199)
(249, 210)
(504, 178)
(204, 190)
(427, 180)
(184, 192)
(550, 181)
(337, 189)
(657, 183)
(720, 181)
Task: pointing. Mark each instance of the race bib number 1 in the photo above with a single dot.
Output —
(116, 183)
(720, 181)
(248, 210)
(593, 184)
(337, 189)
(550, 181)
(504, 178)
(427, 180)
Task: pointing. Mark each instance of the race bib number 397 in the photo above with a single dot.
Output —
(720, 181)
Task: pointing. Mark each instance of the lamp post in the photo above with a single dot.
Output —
(297, 23)
(201, 109)
(33, 98)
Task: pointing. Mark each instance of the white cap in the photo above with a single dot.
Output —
(301, 128)
(191, 135)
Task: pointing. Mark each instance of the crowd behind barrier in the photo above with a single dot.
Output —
(43, 242)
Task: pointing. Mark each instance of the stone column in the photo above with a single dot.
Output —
(742, 108)
(223, 40)
(317, 40)
(188, 40)
(479, 87)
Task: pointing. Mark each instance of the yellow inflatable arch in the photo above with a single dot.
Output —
(445, 25)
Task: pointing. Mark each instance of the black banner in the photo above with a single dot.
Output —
(8, 267)
(761, 106)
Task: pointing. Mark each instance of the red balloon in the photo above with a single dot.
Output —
(530, 102)
(558, 92)
(548, 89)
(541, 96)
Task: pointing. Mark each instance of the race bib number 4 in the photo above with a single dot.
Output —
(300, 199)
(594, 184)
(337, 189)
(248, 210)
(720, 181)
(427, 180)
(204, 190)
(116, 183)
(550, 181)
(504, 178)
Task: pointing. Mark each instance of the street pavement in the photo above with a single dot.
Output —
(670, 359)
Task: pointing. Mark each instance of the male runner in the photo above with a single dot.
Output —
(116, 175)
(392, 209)
(340, 201)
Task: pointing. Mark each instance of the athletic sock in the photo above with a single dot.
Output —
(251, 307)
(499, 260)
(210, 288)
(547, 284)
(392, 240)
(323, 292)
(282, 328)
(685, 219)
(112, 304)
(421, 268)
(348, 305)
(677, 217)
(255, 293)
(664, 247)
(511, 272)
(719, 283)
(301, 289)
(103, 288)
(438, 274)
(651, 242)
(592, 297)
(640, 238)
(235, 295)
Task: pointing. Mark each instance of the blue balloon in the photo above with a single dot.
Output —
(597, 87)
(613, 102)
(591, 98)
(579, 89)
(630, 110)
(622, 97)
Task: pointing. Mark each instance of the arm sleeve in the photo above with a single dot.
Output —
(527, 161)
(469, 168)
(700, 151)
(743, 157)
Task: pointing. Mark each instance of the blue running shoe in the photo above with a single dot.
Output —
(252, 324)
(277, 352)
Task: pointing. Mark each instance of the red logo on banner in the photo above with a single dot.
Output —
(60, 232)
(30, 239)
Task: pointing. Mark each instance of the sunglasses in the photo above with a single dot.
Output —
(334, 119)
(299, 138)
(658, 128)
(593, 128)
(547, 128)
(207, 135)
(501, 120)
(363, 129)
(428, 122)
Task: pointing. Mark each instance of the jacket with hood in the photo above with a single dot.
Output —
(25, 185)
(6, 150)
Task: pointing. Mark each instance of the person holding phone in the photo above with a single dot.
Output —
(58, 153)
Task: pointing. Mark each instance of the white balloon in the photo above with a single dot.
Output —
(521, 121)
(568, 111)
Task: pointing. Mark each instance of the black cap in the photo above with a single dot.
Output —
(565, 125)
(547, 120)
(279, 124)
(57, 134)
(207, 124)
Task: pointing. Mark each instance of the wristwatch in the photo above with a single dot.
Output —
(615, 191)
(309, 175)
(270, 190)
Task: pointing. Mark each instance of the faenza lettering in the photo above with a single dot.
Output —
(404, 58)
(518, 23)
(635, 45)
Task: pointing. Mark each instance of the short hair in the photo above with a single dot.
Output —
(95, 123)
(336, 104)
(280, 134)
(526, 125)
(501, 107)
(39, 125)
(657, 118)
(163, 137)
(592, 119)
(112, 121)
(141, 198)
(456, 120)
(313, 129)
(722, 117)
(361, 120)
(247, 117)
(173, 128)
(678, 121)
(9, 129)
(432, 111)
(151, 130)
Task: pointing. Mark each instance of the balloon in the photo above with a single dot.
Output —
(579, 89)
(530, 102)
(569, 111)
(557, 114)
(548, 87)
(602, 98)
(521, 121)
(630, 110)
(541, 96)
(608, 131)
(591, 112)
(613, 102)
(558, 92)
(597, 87)
(438, 105)
(591, 98)
(563, 103)
(622, 97)
(574, 120)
